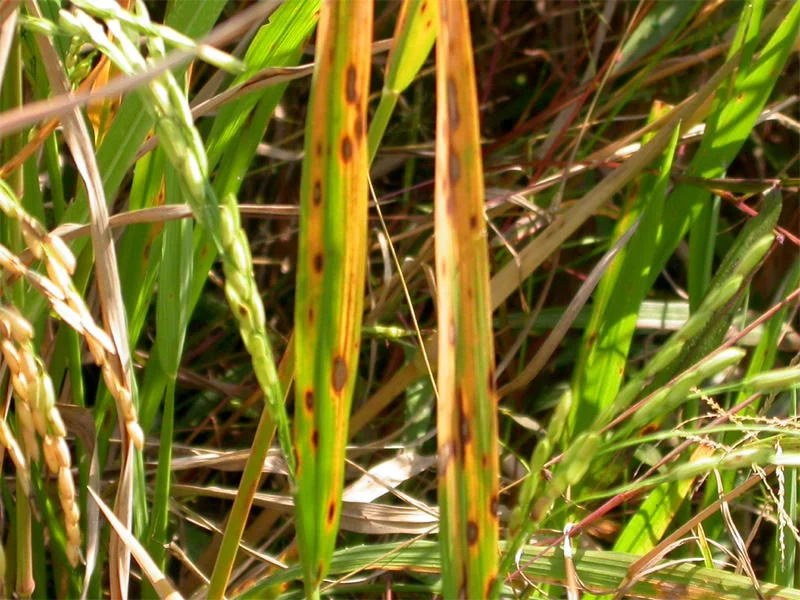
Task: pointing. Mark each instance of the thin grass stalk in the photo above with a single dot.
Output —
(467, 395)
(330, 276)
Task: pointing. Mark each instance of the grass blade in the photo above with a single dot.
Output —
(330, 275)
(617, 301)
(414, 35)
(467, 397)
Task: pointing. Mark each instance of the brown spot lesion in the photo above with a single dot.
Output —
(452, 104)
(310, 315)
(319, 148)
(472, 533)
(473, 222)
(339, 374)
(347, 148)
(319, 262)
(464, 431)
(315, 439)
(350, 87)
(308, 398)
(454, 168)
(331, 511)
(316, 196)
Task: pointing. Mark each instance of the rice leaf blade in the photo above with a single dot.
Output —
(330, 276)
(466, 407)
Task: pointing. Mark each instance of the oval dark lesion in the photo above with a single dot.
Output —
(454, 168)
(339, 374)
(452, 104)
(472, 533)
(350, 87)
(347, 148)
(331, 511)
(316, 196)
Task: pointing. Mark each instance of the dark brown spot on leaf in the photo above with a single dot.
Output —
(311, 315)
(331, 511)
(472, 533)
(350, 88)
(423, 7)
(319, 148)
(347, 148)
(492, 381)
(339, 374)
(315, 439)
(452, 104)
(309, 400)
(463, 429)
(473, 222)
(316, 197)
(318, 262)
(454, 168)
